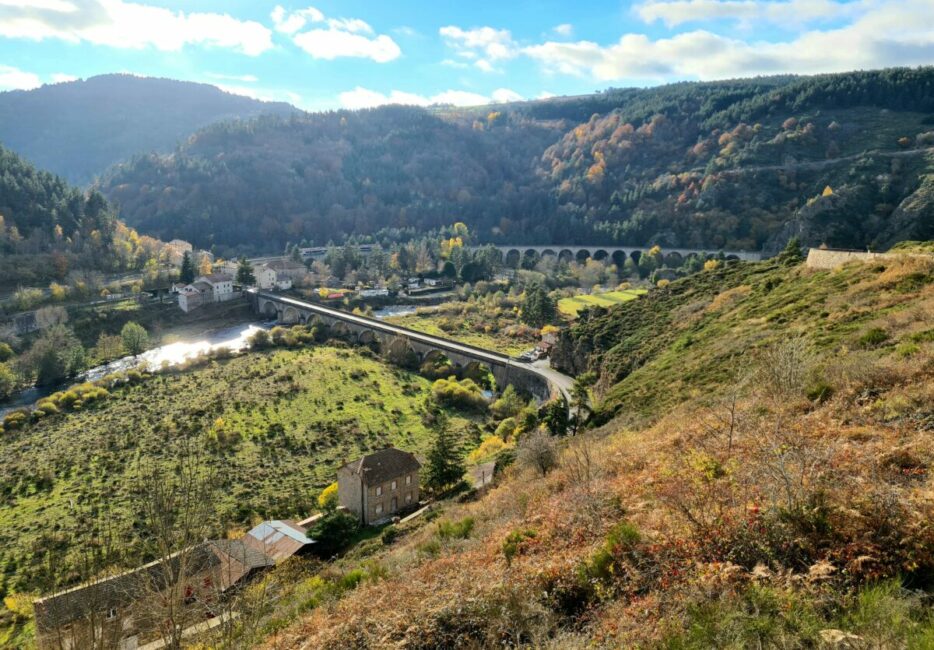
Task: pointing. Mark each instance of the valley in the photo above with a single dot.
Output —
(649, 367)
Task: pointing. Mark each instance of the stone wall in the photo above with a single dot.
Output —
(819, 258)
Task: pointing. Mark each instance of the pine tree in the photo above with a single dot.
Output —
(245, 274)
(187, 274)
(445, 466)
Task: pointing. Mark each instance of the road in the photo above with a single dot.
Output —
(562, 382)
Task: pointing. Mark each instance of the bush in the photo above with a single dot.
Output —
(873, 338)
(449, 530)
(333, 532)
(327, 500)
(389, 535)
(15, 420)
(514, 542)
(508, 405)
(464, 394)
(260, 340)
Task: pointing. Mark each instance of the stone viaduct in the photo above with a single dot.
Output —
(543, 383)
(513, 255)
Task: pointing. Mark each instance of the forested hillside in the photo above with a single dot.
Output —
(841, 159)
(49, 228)
(79, 128)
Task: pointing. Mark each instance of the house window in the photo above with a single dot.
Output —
(393, 485)
(408, 497)
(379, 508)
(379, 490)
(111, 613)
(408, 480)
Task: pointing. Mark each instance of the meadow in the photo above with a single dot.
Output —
(274, 426)
(573, 306)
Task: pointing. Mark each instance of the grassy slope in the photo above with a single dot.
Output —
(694, 333)
(725, 555)
(301, 413)
(573, 306)
(468, 324)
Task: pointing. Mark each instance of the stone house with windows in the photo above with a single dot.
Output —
(379, 486)
(128, 610)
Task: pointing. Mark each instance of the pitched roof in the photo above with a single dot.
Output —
(383, 465)
(285, 265)
(278, 539)
(216, 277)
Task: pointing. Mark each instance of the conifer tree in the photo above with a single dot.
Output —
(187, 274)
(445, 466)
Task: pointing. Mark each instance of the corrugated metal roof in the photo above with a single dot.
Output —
(278, 539)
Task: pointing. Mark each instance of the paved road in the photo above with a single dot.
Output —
(553, 377)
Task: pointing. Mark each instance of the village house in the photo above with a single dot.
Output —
(379, 486)
(217, 287)
(291, 268)
(279, 540)
(265, 277)
(128, 610)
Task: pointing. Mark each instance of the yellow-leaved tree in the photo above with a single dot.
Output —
(327, 500)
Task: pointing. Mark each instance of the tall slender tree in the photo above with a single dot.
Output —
(187, 274)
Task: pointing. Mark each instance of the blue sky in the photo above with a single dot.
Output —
(333, 53)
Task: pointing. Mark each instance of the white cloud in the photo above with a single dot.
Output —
(503, 95)
(361, 97)
(15, 79)
(893, 33)
(335, 37)
(60, 77)
(777, 12)
(291, 23)
(564, 29)
(116, 23)
(332, 44)
(454, 64)
(482, 45)
(545, 95)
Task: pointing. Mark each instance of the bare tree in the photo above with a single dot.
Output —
(537, 449)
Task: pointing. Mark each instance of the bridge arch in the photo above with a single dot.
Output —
(290, 316)
(600, 254)
(582, 255)
(530, 258)
(619, 258)
(566, 255)
(269, 310)
(481, 373)
(548, 252)
(674, 259)
(369, 339)
(513, 258)
(635, 256)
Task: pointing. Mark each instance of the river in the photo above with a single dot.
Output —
(236, 337)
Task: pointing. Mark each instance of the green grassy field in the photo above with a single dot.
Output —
(470, 328)
(572, 306)
(295, 416)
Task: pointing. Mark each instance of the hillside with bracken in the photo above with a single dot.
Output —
(761, 479)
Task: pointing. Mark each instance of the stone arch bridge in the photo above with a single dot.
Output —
(514, 254)
(542, 382)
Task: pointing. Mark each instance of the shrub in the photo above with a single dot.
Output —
(488, 450)
(389, 535)
(508, 405)
(506, 429)
(449, 530)
(327, 500)
(873, 338)
(819, 391)
(464, 394)
(260, 340)
(333, 532)
(514, 542)
(15, 420)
